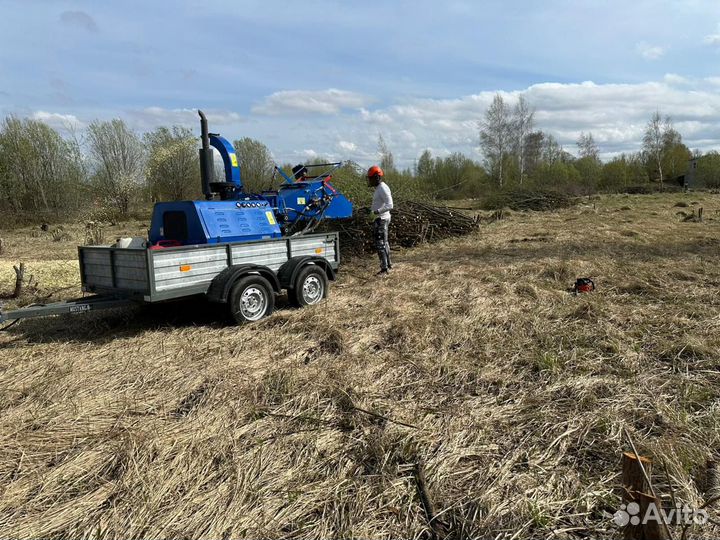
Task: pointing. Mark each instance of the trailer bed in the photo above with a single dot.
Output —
(163, 274)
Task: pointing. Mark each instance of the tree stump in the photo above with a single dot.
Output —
(637, 490)
(712, 480)
(19, 280)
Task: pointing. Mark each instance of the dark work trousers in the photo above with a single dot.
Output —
(380, 233)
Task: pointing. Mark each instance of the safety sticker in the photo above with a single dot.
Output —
(301, 200)
(271, 217)
(233, 160)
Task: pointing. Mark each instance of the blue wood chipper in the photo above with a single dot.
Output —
(237, 249)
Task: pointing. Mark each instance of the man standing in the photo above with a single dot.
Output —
(382, 203)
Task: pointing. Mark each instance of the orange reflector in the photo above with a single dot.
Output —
(318, 250)
(185, 268)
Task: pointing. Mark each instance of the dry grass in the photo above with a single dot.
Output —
(471, 357)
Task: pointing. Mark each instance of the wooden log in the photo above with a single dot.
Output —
(19, 280)
(636, 472)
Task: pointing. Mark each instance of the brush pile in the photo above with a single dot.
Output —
(529, 199)
(413, 223)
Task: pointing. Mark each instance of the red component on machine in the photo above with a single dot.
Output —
(161, 244)
(327, 185)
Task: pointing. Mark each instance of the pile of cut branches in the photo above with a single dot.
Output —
(528, 199)
(413, 223)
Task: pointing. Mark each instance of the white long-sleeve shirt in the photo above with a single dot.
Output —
(382, 201)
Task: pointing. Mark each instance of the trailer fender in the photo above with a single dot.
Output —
(219, 290)
(289, 271)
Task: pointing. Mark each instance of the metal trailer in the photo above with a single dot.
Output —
(245, 276)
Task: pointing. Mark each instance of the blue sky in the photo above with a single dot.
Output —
(325, 78)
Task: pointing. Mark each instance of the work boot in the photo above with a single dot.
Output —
(382, 273)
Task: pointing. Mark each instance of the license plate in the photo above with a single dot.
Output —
(80, 308)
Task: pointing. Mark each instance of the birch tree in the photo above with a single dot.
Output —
(587, 147)
(495, 137)
(119, 158)
(654, 141)
(522, 125)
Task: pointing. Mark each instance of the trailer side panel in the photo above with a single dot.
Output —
(104, 268)
(182, 271)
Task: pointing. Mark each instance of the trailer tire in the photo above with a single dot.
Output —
(310, 287)
(251, 298)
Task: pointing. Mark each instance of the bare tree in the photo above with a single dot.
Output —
(39, 170)
(495, 137)
(119, 158)
(256, 164)
(587, 147)
(172, 167)
(654, 141)
(522, 125)
(387, 160)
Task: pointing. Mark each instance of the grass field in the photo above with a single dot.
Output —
(471, 358)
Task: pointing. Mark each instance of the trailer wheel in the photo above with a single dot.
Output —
(251, 299)
(310, 287)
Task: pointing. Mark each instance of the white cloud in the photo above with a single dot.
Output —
(151, 117)
(375, 117)
(347, 146)
(650, 52)
(674, 78)
(57, 120)
(712, 39)
(616, 115)
(331, 101)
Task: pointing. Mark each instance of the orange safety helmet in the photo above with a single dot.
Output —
(375, 170)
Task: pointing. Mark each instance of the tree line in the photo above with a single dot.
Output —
(515, 153)
(108, 167)
(111, 167)
(518, 156)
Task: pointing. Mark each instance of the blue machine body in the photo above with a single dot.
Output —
(297, 206)
(300, 199)
(212, 222)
